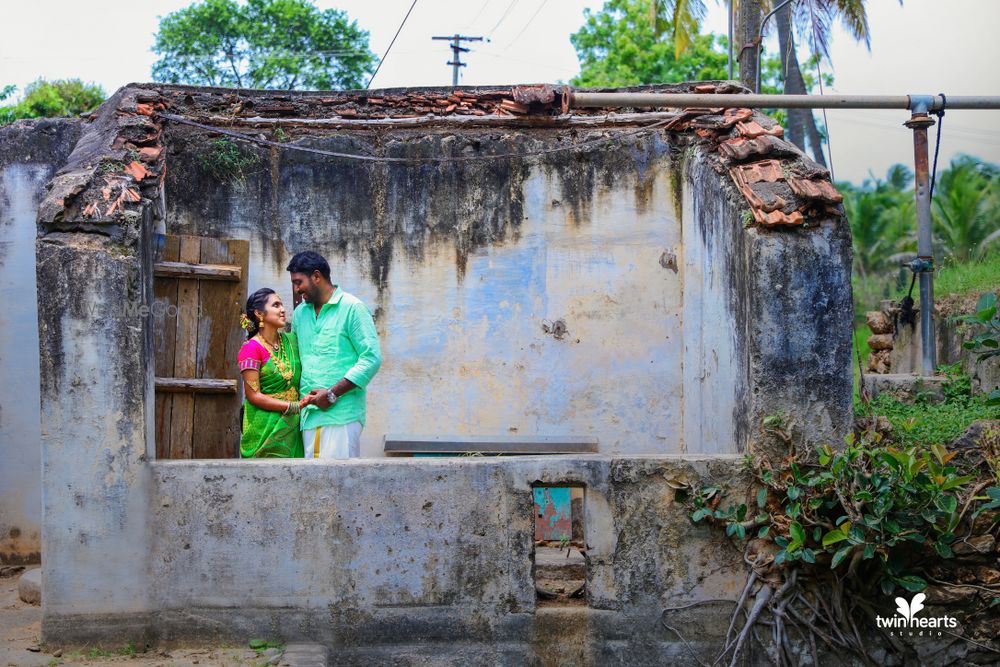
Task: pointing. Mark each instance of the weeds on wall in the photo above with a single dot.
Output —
(229, 162)
(985, 342)
(827, 536)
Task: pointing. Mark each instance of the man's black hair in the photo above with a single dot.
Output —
(307, 262)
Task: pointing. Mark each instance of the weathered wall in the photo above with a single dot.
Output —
(373, 556)
(638, 247)
(30, 152)
(463, 263)
(406, 557)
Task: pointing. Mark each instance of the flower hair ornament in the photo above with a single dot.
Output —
(244, 321)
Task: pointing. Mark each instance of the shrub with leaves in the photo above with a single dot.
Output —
(986, 340)
(870, 503)
(826, 538)
(228, 162)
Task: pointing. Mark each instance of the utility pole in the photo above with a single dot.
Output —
(457, 49)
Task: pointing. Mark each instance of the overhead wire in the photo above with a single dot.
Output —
(478, 14)
(398, 30)
(533, 16)
(590, 143)
(502, 17)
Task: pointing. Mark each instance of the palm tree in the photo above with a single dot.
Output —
(966, 209)
(814, 19)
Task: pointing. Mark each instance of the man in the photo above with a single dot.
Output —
(340, 355)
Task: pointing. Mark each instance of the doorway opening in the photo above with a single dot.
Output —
(560, 553)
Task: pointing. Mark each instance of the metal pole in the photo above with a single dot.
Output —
(681, 100)
(924, 264)
(760, 37)
(730, 40)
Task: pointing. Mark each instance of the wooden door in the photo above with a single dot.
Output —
(200, 289)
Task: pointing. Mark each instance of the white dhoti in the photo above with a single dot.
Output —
(333, 442)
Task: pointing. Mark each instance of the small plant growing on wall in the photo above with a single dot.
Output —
(228, 162)
(986, 341)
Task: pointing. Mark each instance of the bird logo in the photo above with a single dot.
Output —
(909, 609)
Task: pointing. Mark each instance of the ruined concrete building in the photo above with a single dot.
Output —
(649, 283)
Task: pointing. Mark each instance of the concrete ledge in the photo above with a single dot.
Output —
(906, 384)
(29, 587)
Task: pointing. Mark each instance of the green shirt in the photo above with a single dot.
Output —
(340, 342)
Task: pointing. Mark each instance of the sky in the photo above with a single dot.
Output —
(922, 47)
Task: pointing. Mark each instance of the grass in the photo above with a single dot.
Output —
(228, 162)
(974, 277)
(951, 279)
(923, 422)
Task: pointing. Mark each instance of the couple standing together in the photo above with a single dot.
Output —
(305, 390)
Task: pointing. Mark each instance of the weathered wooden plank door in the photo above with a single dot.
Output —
(200, 288)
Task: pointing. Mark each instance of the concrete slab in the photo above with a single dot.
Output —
(907, 384)
(29, 586)
(305, 655)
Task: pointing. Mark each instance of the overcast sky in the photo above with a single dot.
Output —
(926, 46)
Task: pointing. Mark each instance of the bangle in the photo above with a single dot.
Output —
(292, 409)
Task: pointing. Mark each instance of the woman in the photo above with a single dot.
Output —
(269, 364)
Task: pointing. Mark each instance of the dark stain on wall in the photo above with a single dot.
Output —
(294, 200)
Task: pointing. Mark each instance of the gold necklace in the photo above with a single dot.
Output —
(285, 371)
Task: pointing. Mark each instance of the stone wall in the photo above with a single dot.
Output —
(399, 558)
(897, 347)
(30, 153)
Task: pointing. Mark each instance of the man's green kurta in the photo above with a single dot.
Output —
(340, 342)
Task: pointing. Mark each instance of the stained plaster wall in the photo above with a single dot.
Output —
(638, 246)
(464, 263)
(30, 152)
(399, 558)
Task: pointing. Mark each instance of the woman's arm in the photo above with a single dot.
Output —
(251, 387)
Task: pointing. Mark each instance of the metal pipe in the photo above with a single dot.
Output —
(730, 40)
(924, 265)
(760, 37)
(582, 100)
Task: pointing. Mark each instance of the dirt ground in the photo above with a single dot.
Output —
(20, 630)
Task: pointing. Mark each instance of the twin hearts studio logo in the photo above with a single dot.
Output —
(907, 623)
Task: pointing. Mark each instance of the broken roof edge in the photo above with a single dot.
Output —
(118, 164)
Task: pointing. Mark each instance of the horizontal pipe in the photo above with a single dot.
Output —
(680, 100)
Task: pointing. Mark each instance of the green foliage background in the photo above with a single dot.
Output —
(274, 44)
(50, 99)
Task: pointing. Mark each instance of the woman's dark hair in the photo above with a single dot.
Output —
(307, 262)
(257, 301)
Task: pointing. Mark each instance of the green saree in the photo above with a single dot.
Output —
(272, 434)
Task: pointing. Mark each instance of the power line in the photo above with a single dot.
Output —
(537, 11)
(398, 30)
(590, 143)
(479, 13)
(505, 13)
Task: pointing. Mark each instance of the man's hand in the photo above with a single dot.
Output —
(318, 398)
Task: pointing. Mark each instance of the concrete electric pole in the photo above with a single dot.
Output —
(457, 50)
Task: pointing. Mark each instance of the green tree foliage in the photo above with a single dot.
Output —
(965, 212)
(48, 99)
(966, 209)
(631, 42)
(277, 44)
